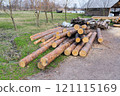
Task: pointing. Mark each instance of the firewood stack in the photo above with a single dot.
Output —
(76, 41)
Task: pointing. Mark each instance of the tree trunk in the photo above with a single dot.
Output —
(37, 19)
(52, 15)
(87, 47)
(69, 50)
(61, 35)
(47, 59)
(71, 33)
(99, 35)
(38, 41)
(34, 55)
(44, 43)
(45, 33)
(46, 16)
(85, 39)
(77, 38)
(58, 42)
(75, 52)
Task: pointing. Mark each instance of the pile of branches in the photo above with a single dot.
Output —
(76, 41)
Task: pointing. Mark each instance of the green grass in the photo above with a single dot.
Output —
(26, 26)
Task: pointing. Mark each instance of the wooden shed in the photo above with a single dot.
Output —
(101, 7)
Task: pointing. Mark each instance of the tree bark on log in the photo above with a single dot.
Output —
(45, 38)
(61, 35)
(24, 62)
(44, 43)
(47, 59)
(46, 33)
(69, 50)
(38, 41)
(71, 33)
(76, 51)
(85, 39)
(77, 38)
(58, 42)
(99, 35)
(87, 47)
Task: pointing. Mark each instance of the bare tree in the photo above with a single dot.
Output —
(37, 10)
(10, 13)
(46, 6)
(66, 4)
(1, 1)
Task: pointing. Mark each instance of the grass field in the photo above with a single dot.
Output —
(14, 45)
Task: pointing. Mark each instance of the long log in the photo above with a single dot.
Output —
(71, 33)
(84, 51)
(24, 62)
(69, 50)
(38, 41)
(58, 42)
(116, 25)
(83, 31)
(85, 39)
(45, 38)
(76, 51)
(99, 35)
(47, 59)
(77, 38)
(45, 33)
(104, 17)
(44, 43)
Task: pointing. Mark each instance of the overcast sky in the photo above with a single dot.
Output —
(71, 3)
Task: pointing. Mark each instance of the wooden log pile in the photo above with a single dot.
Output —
(76, 41)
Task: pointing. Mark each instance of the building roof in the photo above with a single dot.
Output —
(100, 4)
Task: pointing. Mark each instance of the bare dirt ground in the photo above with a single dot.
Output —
(102, 62)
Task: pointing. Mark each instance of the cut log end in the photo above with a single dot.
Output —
(75, 53)
(22, 64)
(57, 33)
(67, 52)
(40, 66)
(57, 37)
(44, 61)
(43, 40)
(80, 31)
(68, 34)
(84, 26)
(83, 53)
(64, 30)
(88, 23)
(76, 27)
(77, 40)
(54, 45)
(100, 40)
(85, 39)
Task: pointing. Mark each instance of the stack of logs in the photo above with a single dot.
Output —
(116, 22)
(103, 24)
(74, 41)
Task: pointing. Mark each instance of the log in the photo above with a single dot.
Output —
(38, 41)
(61, 35)
(44, 43)
(65, 41)
(99, 35)
(59, 32)
(84, 27)
(77, 27)
(83, 31)
(45, 38)
(58, 42)
(77, 38)
(45, 33)
(85, 39)
(68, 29)
(24, 62)
(69, 50)
(71, 33)
(105, 17)
(84, 51)
(47, 59)
(116, 25)
(75, 52)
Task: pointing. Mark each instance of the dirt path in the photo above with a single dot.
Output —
(102, 62)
